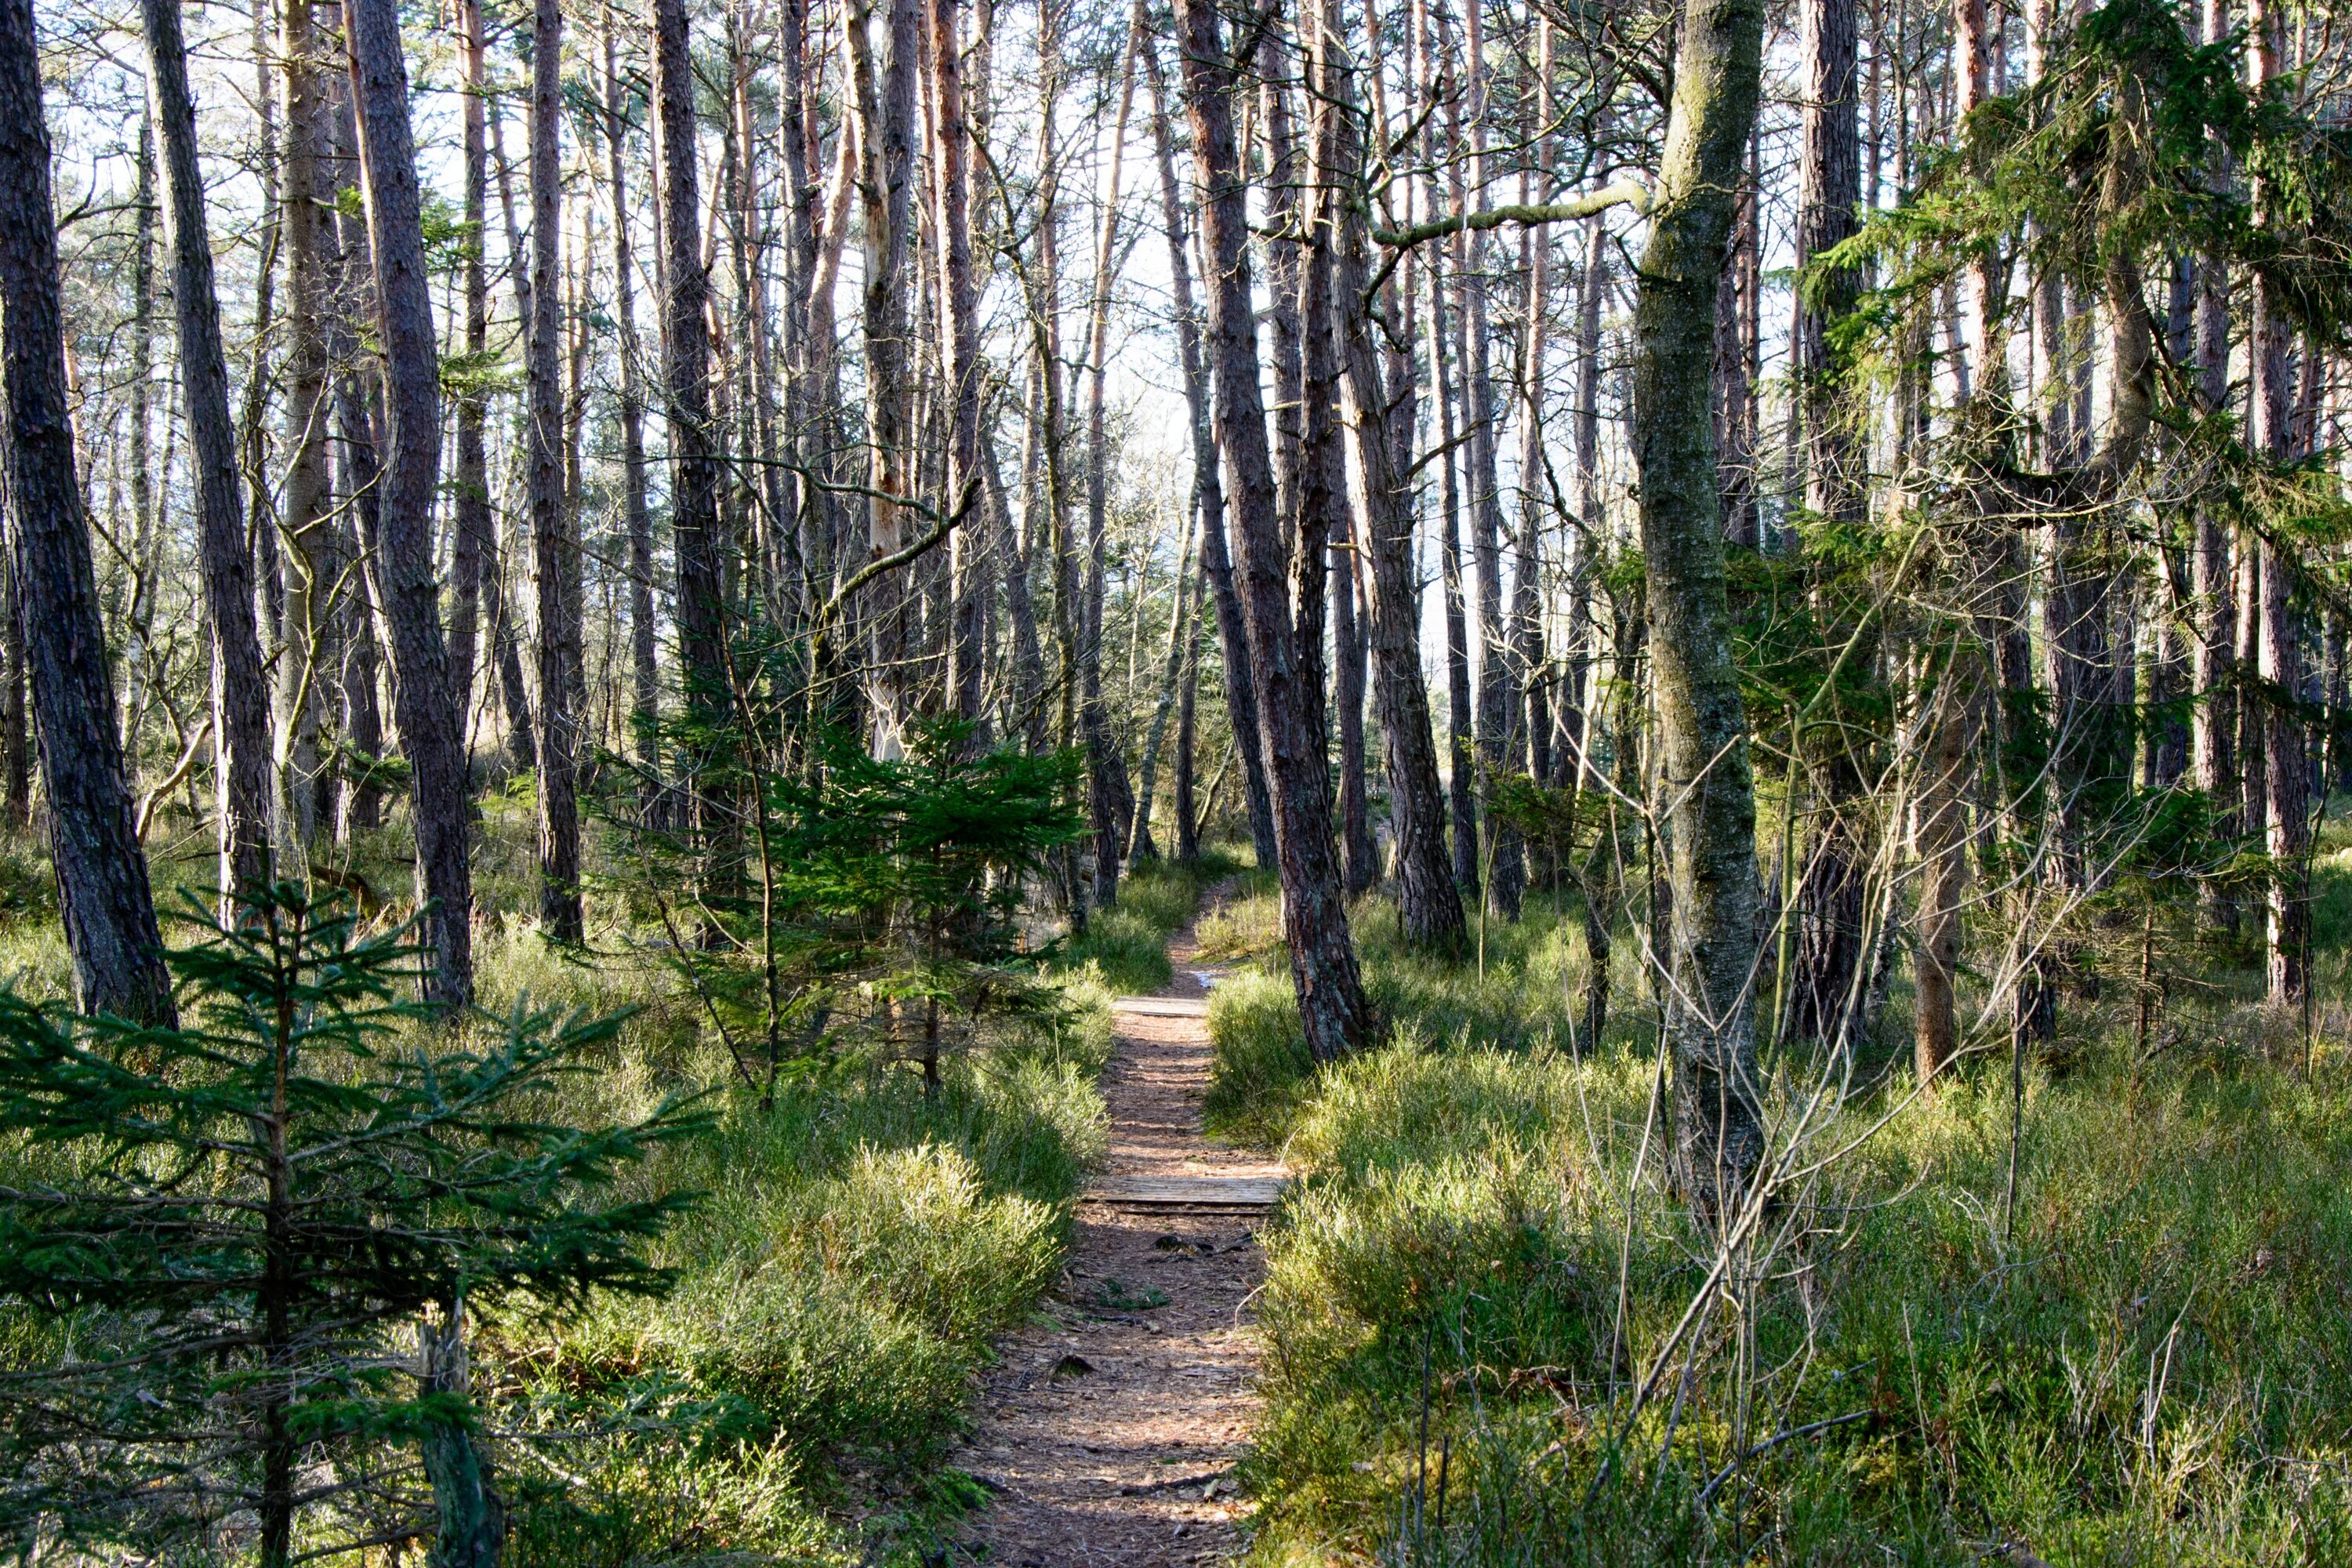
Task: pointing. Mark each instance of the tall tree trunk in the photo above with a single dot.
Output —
(261, 520)
(240, 694)
(1830, 900)
(1106, 768)
(522, 728)
(1462, 759)
(424, 707)
(645, 675)
(1531, 739)
(1358, 853)
(102, 887)
(1233, 639)
(1943, 854)
(1506, 871)
(1989, 586)
(15, 737)
(694, 505)
(2212, 735)
(1429, 901)
(1188, 813)
(357, 617)
(2270, 396)
(963, 369)
(886, 113)
(1702, 728)
(308, 642)
(1181, 614)
(1331, 1004)
(550, 549)
(1330, 67)
(146, 519)
(358, 620)
(473, 545)
(1584, 631)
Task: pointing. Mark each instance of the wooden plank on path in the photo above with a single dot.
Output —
(1162, 1006)
(1155, 1192)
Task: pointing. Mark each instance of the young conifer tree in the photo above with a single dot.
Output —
(237, 1324)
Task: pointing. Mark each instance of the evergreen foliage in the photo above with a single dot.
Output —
(243, 1232)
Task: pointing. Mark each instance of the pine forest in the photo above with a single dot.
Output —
(1054, 782)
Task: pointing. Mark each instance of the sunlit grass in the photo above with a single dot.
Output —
(2154, 1366)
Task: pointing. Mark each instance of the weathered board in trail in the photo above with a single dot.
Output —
(1226, 1194)
(1162, 1007)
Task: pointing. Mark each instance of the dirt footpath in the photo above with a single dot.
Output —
(1109, 1438)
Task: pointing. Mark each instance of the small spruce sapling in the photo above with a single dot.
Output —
(235, 1257)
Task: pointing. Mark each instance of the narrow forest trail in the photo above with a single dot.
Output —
(1109, 1436)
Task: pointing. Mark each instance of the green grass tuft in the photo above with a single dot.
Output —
(2157, 1368)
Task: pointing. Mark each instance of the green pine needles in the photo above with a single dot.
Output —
(231, 1307)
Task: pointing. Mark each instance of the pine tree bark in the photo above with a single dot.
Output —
(645, 673)
(1499, 683)
(307, 639)
(474, 543)
(963, 369)
(885, 112)
(2287, 831)
(550, 549)
(694, 506)
(15, 737)
(2212, 732)
(240, 694)
(1462, 754)
(1461, 723)
(1233, 638)
(1577, 727)
(357, 617)
(1829, 898)
(1188, 813)
(1702, 726)
(514, 693)
(424, 707)
(1181, 614)
(1429, 902)
(1332, 1008)
(102, 889)
(1529, 747)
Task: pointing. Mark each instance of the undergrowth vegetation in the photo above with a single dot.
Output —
(848, 1255)
(797, 1395)
(1126, 946)
(2150, 1363)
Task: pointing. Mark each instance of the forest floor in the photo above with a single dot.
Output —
(1109, 1430)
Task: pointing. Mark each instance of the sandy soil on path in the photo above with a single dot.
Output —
(1108, 1437)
